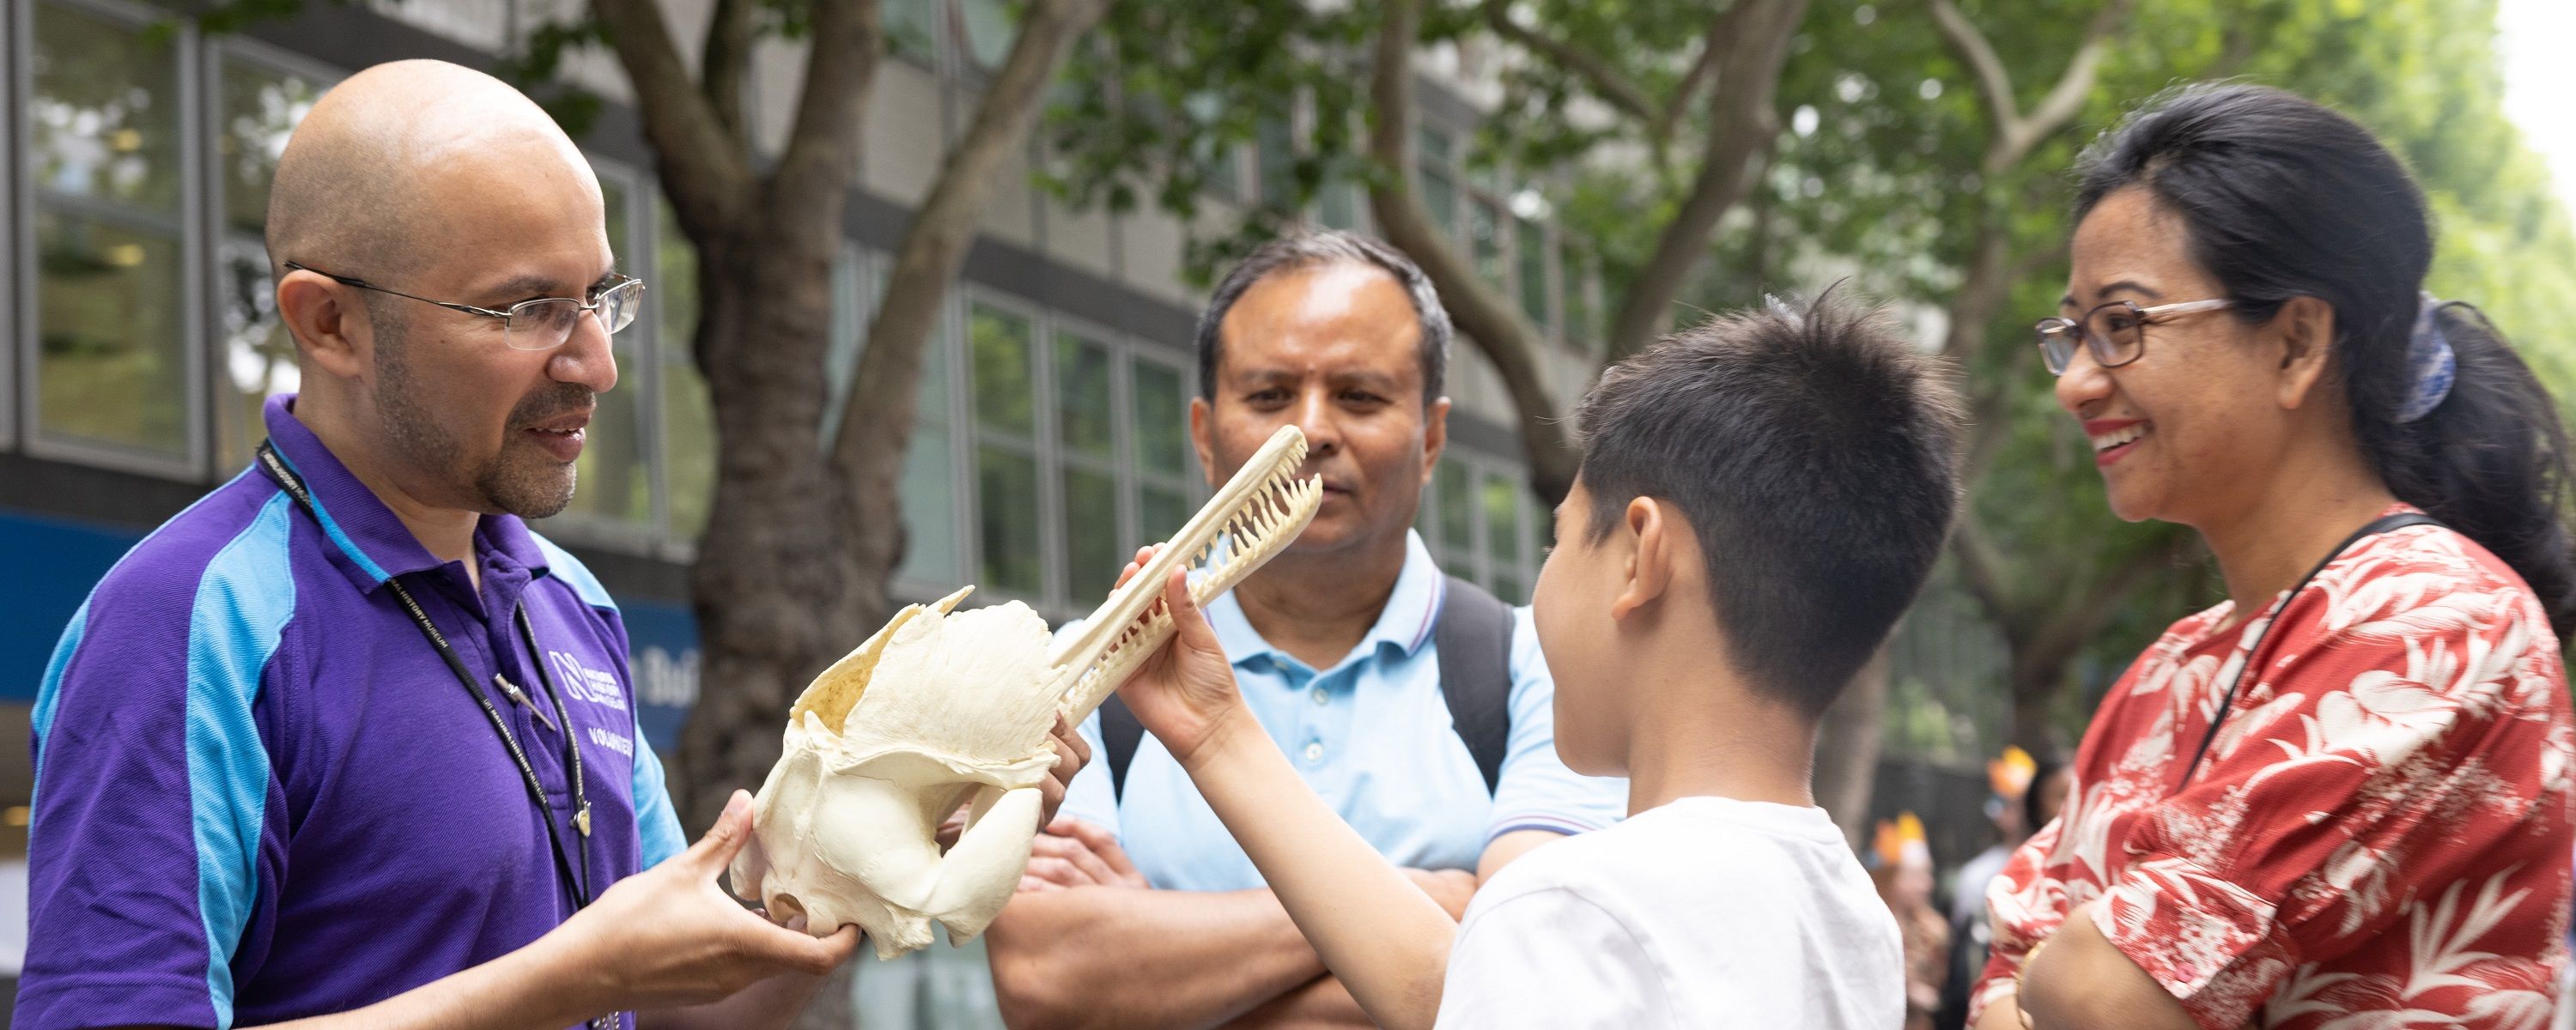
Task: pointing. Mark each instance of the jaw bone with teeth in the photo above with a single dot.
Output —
(943, 708)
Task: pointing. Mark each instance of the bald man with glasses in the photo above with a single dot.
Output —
(345, 744)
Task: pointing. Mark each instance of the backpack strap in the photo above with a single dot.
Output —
(1120, 734)
(1474, 638)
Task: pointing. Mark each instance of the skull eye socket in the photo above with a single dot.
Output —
(785, 910)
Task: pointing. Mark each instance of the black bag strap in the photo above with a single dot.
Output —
(1120, 733)
(1474, 637)
(2254, 654)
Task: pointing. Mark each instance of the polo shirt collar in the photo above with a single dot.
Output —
(1404, 624)
(371, 544)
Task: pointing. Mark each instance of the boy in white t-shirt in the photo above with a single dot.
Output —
(1760, 498)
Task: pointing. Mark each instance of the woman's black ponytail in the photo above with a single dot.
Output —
(2286, 198)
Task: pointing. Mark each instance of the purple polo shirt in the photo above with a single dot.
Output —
(260, 795)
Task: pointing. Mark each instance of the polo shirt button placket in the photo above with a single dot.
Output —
(1314, 751)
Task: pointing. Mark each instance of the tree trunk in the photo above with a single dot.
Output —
(2034, 681)
(1847, 746)
(770, 603)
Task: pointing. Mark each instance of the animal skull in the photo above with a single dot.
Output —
(942, 708)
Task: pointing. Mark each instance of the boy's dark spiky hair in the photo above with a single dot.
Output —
(1814, 451)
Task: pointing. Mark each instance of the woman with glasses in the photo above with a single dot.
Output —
(2341, 796)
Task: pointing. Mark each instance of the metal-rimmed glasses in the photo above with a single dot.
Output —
(2116, 332)
(540, 324)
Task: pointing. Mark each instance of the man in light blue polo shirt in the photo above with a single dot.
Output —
(1336, 645)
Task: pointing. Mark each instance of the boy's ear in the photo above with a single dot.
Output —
(1646, 526)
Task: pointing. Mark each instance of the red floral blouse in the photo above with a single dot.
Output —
(2380, 835)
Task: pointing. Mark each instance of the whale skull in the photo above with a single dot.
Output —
(942, 708)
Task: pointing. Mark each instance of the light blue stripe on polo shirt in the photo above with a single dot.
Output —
(330, 528)
(562, 565)
(242, 604)
(657, 827)
(50, 694)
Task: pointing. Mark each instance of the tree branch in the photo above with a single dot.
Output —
(822, 148)
(2017, 134)
(1993, 83)
(1478, 311)
(1615, 88)
(2060, 633)
(704, 171)
(1743, 126)
(1981, 569)
(2065, 100)
(934, 244)
(1702, 71)
(726, 56)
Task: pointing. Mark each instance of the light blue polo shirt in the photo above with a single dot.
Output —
(1373, 736)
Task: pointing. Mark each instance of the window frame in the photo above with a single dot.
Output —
(977, 437)
(222, 52)
(1191, 479)
(1058, 459)
(1550, 277)
(854, 280)
(1472, 559)
(635, 254)
(187, 228)
(947, 344)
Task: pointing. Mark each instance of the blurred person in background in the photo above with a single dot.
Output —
(1901, 869)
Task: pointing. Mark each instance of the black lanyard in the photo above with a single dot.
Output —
(564, 865)
(2377, 526)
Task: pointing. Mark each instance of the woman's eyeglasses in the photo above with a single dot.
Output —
(2116, 332)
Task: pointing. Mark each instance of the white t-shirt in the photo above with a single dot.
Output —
(1705, 912)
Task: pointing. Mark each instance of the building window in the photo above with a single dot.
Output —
(614, 473)
(688, 412)
(107, 130)
(912, 29)
(988, 30)
(855, 288)
(1505, 566)
(1485, 237)
(1086, 435)
(932, 552)
(1275, 144)
(1574, 282)
(1531, 251)
(1339, 206)
(1225, 174)
(1439, 180)
(258, 102)
(1160, 426)
(1001, 347)
(1453, 490)
(1477, 520)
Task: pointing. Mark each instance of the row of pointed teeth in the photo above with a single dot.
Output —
(1252, 527)
(2106, 441)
